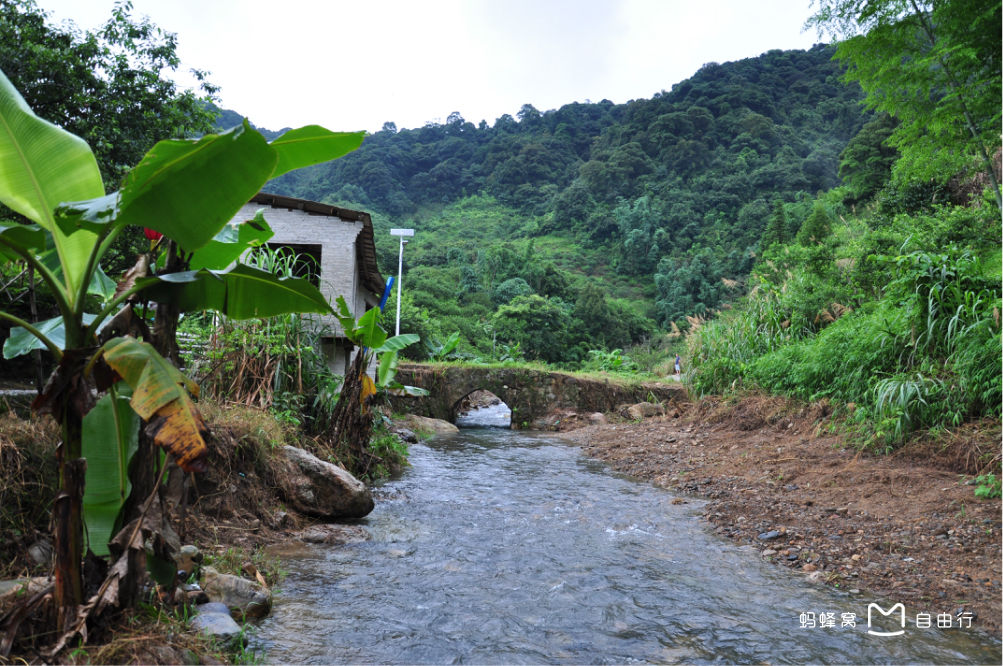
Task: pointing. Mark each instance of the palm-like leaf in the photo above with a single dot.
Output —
(110, 437)
(160, 395)
(310, 145)
(42, 165)
(240, 292)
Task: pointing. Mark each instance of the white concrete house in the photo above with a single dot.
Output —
(341, 243)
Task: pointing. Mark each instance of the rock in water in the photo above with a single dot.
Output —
(244, 598)
(318, 488)
(423, 424)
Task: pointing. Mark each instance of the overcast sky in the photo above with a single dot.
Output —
(355, 64)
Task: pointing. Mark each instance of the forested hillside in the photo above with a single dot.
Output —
(598, 223)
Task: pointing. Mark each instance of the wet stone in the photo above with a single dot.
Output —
(767, 536)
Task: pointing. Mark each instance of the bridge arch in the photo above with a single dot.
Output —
(529, 393)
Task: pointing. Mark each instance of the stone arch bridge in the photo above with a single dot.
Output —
(529, 393)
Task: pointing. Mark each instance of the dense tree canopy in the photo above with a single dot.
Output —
(109, 87)
(932, 65)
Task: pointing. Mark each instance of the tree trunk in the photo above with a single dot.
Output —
(352, 421)
(144, 468)
(68, 520)
(165, 325)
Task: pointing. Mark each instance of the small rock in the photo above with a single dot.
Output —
(597, 418)
(407, 435)
(219, 626)
(644, 410)
(424, 424)
(213, 607)
(188, 558)
(334, 534)
(772, 534)
(769, 552)
(809, 567)
(244, 598)
(40, 552)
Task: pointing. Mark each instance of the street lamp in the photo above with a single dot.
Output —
(402, 233)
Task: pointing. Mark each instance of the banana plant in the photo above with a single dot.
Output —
(187, 190)
(374, 342)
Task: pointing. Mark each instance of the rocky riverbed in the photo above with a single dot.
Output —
(906, 526)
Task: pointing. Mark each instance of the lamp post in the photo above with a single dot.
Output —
(402, 233)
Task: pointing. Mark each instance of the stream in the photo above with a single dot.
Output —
(501, 546)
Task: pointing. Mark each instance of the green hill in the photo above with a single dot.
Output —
(650, 210)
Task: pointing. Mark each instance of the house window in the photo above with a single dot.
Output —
(300, 260)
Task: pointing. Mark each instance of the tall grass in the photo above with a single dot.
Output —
(275, 363)
(926, 354)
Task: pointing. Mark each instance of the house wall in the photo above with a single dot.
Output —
(339, 270)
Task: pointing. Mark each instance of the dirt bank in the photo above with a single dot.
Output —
(905, 527)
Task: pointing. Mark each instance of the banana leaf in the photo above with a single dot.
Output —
(240, 292)
(110, 438)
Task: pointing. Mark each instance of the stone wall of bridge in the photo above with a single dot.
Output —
(529, 393)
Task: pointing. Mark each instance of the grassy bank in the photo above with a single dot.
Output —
(894, 318)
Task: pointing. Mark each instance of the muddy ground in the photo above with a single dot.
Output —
(905, 527)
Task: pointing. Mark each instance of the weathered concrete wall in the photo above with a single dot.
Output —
(530, 394)
(339, 270)
(339, 275)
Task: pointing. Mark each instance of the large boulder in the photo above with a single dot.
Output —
(425, 426)
(244, 598)
(643, 410)
(318, 488)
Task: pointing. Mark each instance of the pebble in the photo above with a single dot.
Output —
(809, 567)
(768, 552)
(772, 534)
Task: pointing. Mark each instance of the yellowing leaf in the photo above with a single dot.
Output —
(160, 395)
(178, 428)
(368, 389)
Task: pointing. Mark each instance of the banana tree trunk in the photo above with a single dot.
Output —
(352, 420)
(68, 519)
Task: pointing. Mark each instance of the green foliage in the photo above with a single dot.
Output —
(911, 339)
(112, 87)
(988, 486)
(600, 360)
(444, 350)
(111, 436)
(509, 289)
(664, 199)
(41, 167)
(389, 451)
(865, 164)
(816, 228)
(539, 326)
(934, 67)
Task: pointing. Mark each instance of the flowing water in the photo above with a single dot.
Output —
(499, 546)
